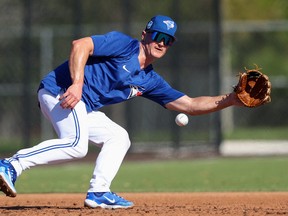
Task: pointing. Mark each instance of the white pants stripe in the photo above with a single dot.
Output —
(56, 146)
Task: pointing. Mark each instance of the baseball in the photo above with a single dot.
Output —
(181, 119)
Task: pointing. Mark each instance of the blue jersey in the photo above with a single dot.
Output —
(113, 74)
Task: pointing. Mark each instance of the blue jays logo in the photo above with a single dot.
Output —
(134, 92)
(169, 24)
(150, 23)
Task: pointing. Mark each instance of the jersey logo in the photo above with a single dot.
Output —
(124, 67)
(135, 91)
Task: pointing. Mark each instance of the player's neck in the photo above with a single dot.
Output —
(143, 58)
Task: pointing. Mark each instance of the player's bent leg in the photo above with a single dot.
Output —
(71, 127)
(48, 152)
(115, 144)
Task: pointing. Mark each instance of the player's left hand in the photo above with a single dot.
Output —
(253, 88)
(71, 97)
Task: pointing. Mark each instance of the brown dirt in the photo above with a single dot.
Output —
(204, 204)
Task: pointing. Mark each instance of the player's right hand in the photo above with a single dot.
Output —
(71, 97)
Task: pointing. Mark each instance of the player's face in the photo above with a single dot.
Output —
(156, 43)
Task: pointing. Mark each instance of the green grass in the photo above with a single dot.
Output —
(202, 175)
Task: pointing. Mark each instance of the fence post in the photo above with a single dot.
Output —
(215, 53)
(176, 74)
(26, 78)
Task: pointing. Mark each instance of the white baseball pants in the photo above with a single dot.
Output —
(74, 128)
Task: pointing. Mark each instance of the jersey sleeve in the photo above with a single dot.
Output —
(162, 93)
(112, 44)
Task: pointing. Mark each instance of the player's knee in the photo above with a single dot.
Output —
(81, 152)
(123, 138)
(126, 140)
(80, 149)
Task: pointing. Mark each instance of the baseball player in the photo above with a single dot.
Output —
(102, 70)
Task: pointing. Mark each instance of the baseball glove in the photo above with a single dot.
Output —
(253, 88)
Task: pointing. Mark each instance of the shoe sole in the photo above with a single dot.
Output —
(6, 188)
(91, 204)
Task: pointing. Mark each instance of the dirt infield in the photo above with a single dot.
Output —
(167, 204)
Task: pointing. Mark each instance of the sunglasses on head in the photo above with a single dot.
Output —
(159, 37)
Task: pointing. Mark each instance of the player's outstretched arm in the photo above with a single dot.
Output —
(204, 104)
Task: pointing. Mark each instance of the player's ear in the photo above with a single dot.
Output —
(143, 35)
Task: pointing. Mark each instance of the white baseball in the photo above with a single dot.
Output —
(181, 119)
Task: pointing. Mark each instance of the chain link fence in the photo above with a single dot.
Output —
(36, 37)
